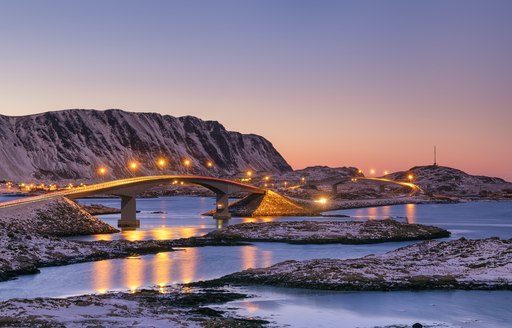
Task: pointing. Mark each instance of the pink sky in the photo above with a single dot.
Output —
(352, 83)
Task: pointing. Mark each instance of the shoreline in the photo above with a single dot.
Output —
(479, 264)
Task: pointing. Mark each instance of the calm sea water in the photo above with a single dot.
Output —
(178, 217)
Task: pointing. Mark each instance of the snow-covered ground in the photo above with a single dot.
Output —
(346, 232)
(163, 307)
(457, 264)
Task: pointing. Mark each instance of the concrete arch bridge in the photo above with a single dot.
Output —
(414, 189)
(128, 189)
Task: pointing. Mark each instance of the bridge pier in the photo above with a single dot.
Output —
(128, 213)
(222, 206)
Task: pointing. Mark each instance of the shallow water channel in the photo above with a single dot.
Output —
(176, 217)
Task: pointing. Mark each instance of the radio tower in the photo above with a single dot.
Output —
(435, 156)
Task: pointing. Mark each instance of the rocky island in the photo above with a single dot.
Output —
(30, 238)
(326, 232)
(484, 264)
(162, 307)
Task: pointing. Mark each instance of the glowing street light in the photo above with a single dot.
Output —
(209, 164)
(102, 171)
(322, 201)
(249, 173)
(410, 177)
(386, 172)
(372, 171)
(133, 166)
(266, 178)
(161, 163)
(186, 163)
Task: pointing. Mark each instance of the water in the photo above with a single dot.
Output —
(178, 217)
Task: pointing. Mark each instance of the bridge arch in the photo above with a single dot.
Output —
(129, 188)
(381, 181)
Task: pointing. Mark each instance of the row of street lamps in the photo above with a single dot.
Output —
(161, 163)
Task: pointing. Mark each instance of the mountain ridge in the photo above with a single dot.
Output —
(74, 143)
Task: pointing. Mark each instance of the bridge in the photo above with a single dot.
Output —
(381, 181)
(128, 189)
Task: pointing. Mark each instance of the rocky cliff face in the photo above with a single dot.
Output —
(73, 144)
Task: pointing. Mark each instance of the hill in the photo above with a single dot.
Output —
(435, 179)
(73, 144)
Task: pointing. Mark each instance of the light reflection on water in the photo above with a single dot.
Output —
(181, 219)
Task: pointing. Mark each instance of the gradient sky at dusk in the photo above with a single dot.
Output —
(372, 84)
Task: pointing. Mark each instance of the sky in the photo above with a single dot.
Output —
(371, 84)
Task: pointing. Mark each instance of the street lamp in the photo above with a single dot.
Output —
(102, 171)
(161, 164)
(410, 177)
(133, 166)
(186, 163)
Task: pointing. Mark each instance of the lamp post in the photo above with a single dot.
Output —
(102, 171)
(161, 164)
(186, 163)
(133, 167)
(209, 165)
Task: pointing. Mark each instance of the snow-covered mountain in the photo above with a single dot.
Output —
(449, 181)
(74, 144)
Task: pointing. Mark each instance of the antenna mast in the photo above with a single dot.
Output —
(435, 156)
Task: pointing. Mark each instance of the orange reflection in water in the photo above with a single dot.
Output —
(267, 258)
(251, 307)
(162, 263)
(133, 235)
(189, 267)
(385, 211)
(248, 257)
(187, 232)
(410, 213)
(102, 276)
(160, 234)
(133, 272)
(258, 220)
(104, 237)
(372, 213)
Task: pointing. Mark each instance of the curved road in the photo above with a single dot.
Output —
(120, 186)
